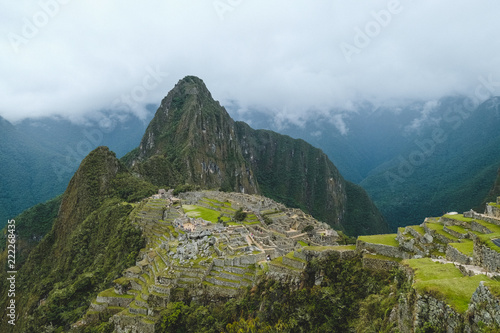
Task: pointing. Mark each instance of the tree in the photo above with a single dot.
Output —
(240, 215)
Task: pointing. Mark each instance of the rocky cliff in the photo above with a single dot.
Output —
(192, 139)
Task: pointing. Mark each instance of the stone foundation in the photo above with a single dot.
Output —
(452, 254)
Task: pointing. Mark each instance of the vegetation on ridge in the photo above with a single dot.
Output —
(90, 243)
(349, 297)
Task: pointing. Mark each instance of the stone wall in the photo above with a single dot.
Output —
(479, 227)
(439, 314)
(132, 324)
(455, 233)
(296, 263)
(484, 307)
(473, 215)
(486, 257)
(493, 211)
(414, 311)
(115, 301)
(379, 264)
(385, 250)
(452, 254)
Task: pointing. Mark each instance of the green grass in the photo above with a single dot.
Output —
(456, 292)
(203, 212)
(384, 239)
(459, 217)
(438, 253)
(279, 262)
(111, 293)
(444, 282)
(458, 229)
(438, 228)
(466, 247)
(331, 247)
(418, 229)
(251, 218)
(302, 243)
(251, 223)
(486, 239)
(172, 231)
(290, 255)
(225, 280)
(425, 269)
(493, 286)
(493, 227)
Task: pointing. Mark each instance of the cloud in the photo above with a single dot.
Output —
(338, 121)
(427, 112)
(73, 58)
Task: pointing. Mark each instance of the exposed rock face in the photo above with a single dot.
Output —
(192, 139)
(415, 312)
(295, 172)
(485, 307)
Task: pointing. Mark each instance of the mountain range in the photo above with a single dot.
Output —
(423, 159)
(39, 156)
(76, 244)
(370, 147)
(192, 139)
(72, 248)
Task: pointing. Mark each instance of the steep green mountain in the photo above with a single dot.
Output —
(26, 177)
(449, 166)
(90, 242)
(493, 193)
(39, 156)
(299, 175)
(192, 139)
(419, 159)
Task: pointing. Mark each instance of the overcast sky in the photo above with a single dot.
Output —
(73, 58)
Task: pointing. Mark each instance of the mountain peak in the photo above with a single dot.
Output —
(192, 139)
(189, 86)
(91, 181)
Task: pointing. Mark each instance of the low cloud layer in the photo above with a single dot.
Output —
(73, 58)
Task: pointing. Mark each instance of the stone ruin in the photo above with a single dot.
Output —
(186, 257)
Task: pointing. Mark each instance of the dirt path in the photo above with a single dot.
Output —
(470, 268)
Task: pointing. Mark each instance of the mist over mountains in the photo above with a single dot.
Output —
(40, 155)
(424, 158)
(420, 160)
